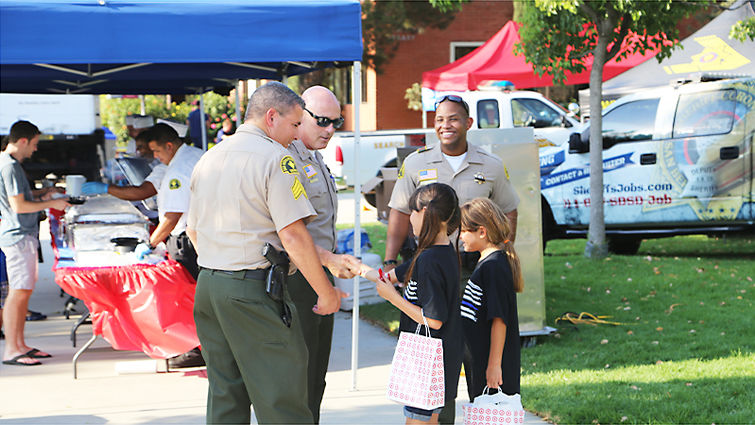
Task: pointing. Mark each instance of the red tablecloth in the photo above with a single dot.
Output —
(139, 307)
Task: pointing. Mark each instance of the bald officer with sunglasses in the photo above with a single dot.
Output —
(321, 118)
(247, 191)
(470, 170)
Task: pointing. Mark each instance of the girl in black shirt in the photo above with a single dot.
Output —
(488, 306)
(431, 281)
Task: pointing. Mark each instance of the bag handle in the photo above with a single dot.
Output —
(427, 327)
(487, 390)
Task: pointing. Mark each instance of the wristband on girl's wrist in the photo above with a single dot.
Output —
(390, 262)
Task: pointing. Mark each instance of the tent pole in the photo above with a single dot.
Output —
(141, 105)
(424, 118)
(356, 88)
(203, 122)
(238, 105)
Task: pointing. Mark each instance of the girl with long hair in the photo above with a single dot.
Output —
(488, 306)
(431, 280)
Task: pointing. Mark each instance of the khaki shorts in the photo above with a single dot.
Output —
(21, 263)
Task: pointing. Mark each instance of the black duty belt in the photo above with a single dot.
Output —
(256, 274)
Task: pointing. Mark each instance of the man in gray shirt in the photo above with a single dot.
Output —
(19, 206)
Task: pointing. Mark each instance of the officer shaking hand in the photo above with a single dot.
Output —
(247, 192)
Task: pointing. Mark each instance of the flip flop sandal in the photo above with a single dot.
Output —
(32, 316)
(33, 353)
(14, 361)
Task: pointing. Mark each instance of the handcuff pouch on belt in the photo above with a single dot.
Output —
(275, 282)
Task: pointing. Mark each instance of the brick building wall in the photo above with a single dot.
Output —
(477, 22)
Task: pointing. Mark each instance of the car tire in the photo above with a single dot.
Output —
(624, 245)
(549, 223)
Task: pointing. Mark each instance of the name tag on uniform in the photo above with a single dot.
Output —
(310, 171)
(427, 175)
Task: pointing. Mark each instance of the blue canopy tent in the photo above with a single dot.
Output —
(177, 46)
(170, 46)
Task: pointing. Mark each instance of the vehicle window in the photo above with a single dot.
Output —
(534, 113)
(487, 114)
(706, 113)
(630, 122)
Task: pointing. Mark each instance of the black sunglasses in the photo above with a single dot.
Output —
(325, 121)
(455, 99)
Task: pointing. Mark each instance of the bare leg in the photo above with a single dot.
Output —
(14, 319)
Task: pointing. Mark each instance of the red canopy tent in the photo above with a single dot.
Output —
(495, 60)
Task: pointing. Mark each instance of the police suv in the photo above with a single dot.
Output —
(676, 160)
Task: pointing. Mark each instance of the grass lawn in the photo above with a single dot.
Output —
(684, 351)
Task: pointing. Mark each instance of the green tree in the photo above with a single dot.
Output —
(559, 35)
(218, 107)
(743, 30)
(385, 22)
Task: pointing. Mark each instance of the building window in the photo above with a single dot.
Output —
(460, 48)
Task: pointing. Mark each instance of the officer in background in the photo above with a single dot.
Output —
(319, 122)
(172, 205)
(470, 170)
(134, 125)
(173, 196)
(246, 192)
(147, 189)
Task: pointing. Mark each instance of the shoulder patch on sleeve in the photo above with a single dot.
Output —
(288, 165)
(425, 149)
(174, 184)
(401, 170)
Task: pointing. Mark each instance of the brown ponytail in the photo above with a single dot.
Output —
(442, 207)
(482, 212)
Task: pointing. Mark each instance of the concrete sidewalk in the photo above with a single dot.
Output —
(48, 394)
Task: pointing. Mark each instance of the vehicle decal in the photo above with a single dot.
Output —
(570, 175)
(549, 162)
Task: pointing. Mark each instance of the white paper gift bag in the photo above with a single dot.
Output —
(494, 409)
(417, 378)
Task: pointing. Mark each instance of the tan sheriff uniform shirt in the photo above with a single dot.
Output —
(321, 191)
(243, 191)
(481, 175)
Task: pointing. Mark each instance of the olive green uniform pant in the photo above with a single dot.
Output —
(252, 357)
(318, 335)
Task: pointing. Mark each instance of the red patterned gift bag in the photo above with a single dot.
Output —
(417, 378)
(495, 409)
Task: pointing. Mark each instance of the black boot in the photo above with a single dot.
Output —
(191, 358)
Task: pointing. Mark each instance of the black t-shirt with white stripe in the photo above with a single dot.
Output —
(489, 294)
(434, 287)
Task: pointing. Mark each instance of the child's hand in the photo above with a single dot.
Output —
(368, 273)
(494, 376)
(386, 290)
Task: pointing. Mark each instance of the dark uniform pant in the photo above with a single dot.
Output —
(318, 335)
(182, 251)
(252, 357)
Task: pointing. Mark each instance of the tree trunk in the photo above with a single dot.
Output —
(596, 234)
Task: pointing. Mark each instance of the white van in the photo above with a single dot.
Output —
(676, 160)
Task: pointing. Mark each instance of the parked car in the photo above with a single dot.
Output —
(676, 160)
